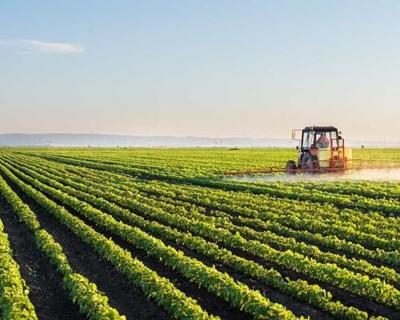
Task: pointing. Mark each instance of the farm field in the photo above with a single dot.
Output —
(144, 233)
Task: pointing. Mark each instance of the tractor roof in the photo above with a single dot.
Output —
(320, 128)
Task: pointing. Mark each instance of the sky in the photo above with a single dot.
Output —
(200, 68)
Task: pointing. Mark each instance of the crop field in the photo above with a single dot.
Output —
(159, 233)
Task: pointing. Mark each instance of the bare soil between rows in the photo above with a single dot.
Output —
(47, 294)
(214, 305)
(299, 308)
(123, 296)
(359, 302)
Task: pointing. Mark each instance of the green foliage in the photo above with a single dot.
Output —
(344, 235)
(84, 293)
(14, 300)
(90, 301)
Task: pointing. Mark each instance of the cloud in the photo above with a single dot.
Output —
(41, 47)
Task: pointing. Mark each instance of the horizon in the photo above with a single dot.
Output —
(170, 141)
(210, 69)
(146, 136)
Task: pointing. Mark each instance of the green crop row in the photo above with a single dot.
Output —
(237, 294)
(299, 289)
(14, 300)
(165, 195)
(160, 289)
(284, 243)
(90, 301)
(329, 273)
(277, 190)
(331, 229)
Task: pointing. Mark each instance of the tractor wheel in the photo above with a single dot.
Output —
(339, 163)
(309, 163)
(291, 167)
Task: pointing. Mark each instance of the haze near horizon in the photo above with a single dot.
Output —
(211, 69)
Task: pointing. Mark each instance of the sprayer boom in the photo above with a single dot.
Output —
(354, 165)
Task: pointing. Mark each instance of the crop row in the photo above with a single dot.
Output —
(284, 243)
(14, 300)
(274, 222)
(91, 301)
(295, 192)
(272, 210)
(185, 197)
(299, 289)
(237, 294)
(160, 289)
(369, 234)
(239, 204)
(330, 273)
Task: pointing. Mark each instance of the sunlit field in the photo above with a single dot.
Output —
(148, 233)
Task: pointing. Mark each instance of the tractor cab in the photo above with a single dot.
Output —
(314, 138)
(320, 149)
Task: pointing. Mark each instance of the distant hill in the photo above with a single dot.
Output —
(102, 140)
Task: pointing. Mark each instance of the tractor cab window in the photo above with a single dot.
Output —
(308, 139)
(335, 139)
(318, 137)
(340, 141)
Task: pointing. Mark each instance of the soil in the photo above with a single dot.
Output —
(47, 294)
(210, 303)
(348, 299)
(131, 305)
(127, 299)
(295, 306)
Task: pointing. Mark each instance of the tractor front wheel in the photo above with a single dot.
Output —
(291, 167)
(309, 163)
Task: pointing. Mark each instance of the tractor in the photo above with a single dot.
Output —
(321, 149)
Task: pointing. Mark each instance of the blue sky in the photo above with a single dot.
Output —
(200, 68)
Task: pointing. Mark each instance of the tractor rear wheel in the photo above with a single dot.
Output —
(291, 167)
(309, 163)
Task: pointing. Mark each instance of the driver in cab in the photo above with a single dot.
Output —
(323, 141)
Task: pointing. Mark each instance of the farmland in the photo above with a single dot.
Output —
(145, 233)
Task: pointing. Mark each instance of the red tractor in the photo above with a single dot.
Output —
(321, 149)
